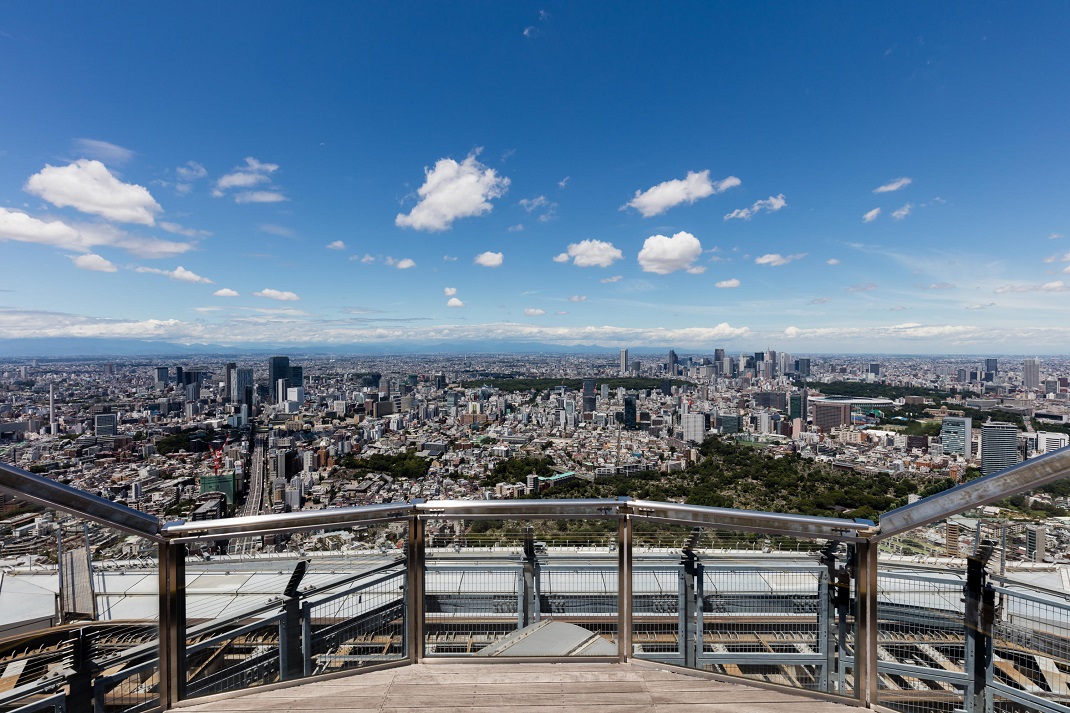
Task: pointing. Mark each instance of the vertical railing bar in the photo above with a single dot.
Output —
(624, 584)
(866, 644)
(415, 587)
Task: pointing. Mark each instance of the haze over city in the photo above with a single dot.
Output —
(817, 179)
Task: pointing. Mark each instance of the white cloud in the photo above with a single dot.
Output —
(280, 295)
(986, 305)
(451, 191)
(662, 197)
(938, 286)
(449, 291)
(179, 273)
(102, 150)
(894, 185)
(563, 182)
(530, 31)
(1056, 286)
(259, 197)
(489, 259)
(515, 228)
(1055, 236)
(867, 287)
(336, 245)
(819, 300)
(578, 298)
(776, 259)
(405, 263)
(225, 292)
(530, 204)
(18, 226)
(183, 231)
(454, 302)
(280, 230)
(902, 212)
(449, 258)
(871, 215)
(615, 278)
(367, 259)
(94, 262)
(770, 205)
(663, 255)
(253, 173)
(728, 284)
(206, 310)
(533, 312)
(832, 261)
(696, 270)
(191, 171)
(591, 253)
(88, 186)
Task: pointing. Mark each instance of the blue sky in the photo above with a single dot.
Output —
(807, 177)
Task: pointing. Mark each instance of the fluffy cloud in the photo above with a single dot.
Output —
(563, 182)
(405, 263)
(662, 197)
(103, 150)
(454, 302)
(902, 212)
(590, 253)
(832, 261)
(179, 273)
(336, 245)
(225, 292)
(259, 197)
(449, 291)
(871, 215)
(776, 259)
(451, 191)
(516, 228)
(986, 305)
(866, 287)
(279, 295)
(615, 278)
(546, 208)
(254, 173)
(191, 171)
(770, 205)
(533, 312)
(578, 298)
(663, 255)
(18, 226)
(893, 185)
(489, 259)
(94, 262)
(727, 284)
(88, 186)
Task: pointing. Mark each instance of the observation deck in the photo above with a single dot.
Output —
(545, 604)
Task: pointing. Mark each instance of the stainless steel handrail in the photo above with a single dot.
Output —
(754, 520)
(1028, 475)
(181, 531)
(42, 491)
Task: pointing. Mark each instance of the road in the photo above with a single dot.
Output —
(254, 499)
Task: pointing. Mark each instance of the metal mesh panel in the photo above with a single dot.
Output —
(656, 624)
(134, 689)
(921, 642)
(1031, 645)
(249, 657)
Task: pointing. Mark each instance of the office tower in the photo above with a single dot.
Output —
(1036, 542)
(605, 391)
(193, 391)
(179, 376)
(956, 434)
(228, 393)
(297, 377)
(831, 414)
(731, 423)
(694, 425)
(161, 377)
(241, 386)
(961, 376)
(1048, 441)
(991, 370)
(797, 405)
(666, 387)
(278, 369)
(875, 369)
(802, 368)
(589, 399)
(999, 446)
(1031, 374)
(718, 356)
(630, 420)
(673, 362)
(623, 362)
(281, 387)
(105, 424)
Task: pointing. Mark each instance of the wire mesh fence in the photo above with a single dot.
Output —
(1031, 648)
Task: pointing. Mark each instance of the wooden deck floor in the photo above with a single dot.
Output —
(520, 688)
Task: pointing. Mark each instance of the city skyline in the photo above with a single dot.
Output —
(811, 179)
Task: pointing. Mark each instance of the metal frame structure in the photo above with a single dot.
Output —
(861, 537)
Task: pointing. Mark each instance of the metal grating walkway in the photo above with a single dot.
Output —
(521, 688)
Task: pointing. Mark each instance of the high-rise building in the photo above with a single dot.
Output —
(802, 368)
(229, 381)
(241, 386)
(589, 399)
(105, 424)
(999, 446)
(1036, 542)
(161, 377)
(278, 368)
(1031, 373)
(1048, 441)
(694, 425)
(623, 362)
(956, 434)
(673, 362)
(297, 377)
(875, 368)
(797, 404)
(831, 414)
(630, 420)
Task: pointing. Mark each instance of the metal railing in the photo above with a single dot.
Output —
(822, 620)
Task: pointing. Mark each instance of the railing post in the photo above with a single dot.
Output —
(172, 632)
(80, 683)
(414, 587)
(624, 583)
(866, 644)
(978, 616)
(306, 638)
